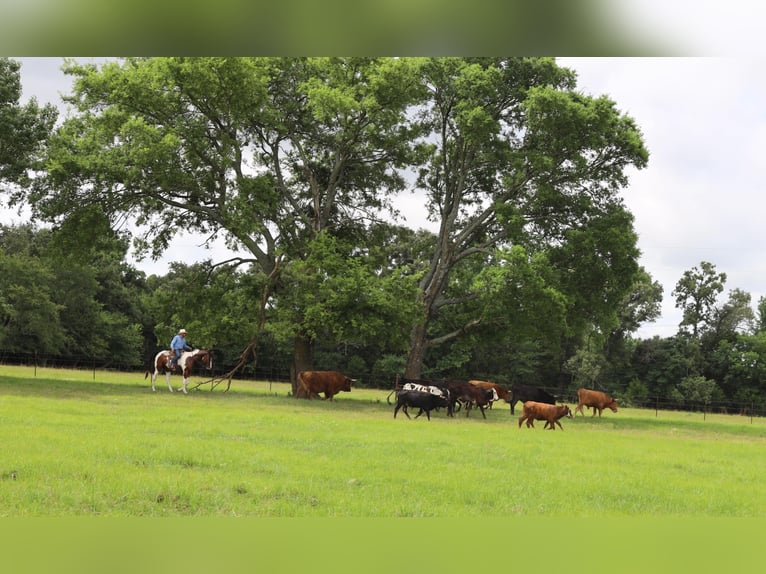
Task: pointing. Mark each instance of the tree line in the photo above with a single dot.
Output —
(532, 276)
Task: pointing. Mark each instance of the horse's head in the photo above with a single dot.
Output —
(207, 358)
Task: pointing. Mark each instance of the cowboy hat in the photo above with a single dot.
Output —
(182, 332)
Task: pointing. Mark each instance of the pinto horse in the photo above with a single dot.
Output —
(185, 363)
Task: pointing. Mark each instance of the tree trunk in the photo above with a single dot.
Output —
(303, 359)
(417, 354)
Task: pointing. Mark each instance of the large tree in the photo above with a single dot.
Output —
(267, 153)
(696, 294)
(517, 157)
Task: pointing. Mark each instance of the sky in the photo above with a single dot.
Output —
(704, 124)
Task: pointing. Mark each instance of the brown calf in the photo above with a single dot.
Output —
(551, 414)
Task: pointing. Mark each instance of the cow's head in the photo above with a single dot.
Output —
(567, 411)
(613, 405)
(347, 384)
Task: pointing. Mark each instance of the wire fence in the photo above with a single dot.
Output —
(37, 362)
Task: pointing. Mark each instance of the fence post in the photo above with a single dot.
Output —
(656, 407)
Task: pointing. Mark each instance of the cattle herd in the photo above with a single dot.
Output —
(429, 395)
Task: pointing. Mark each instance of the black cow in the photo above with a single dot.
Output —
(425, 385)
(424, 401)
(526, 393)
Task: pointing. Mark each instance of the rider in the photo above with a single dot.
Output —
(177, 345)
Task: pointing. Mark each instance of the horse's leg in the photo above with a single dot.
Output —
(183, 388)
(167, 378)
(154, 378)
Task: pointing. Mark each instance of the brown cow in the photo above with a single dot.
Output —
(596, 399)
(463, 393)
(551, 414)
(501, 392)
(328, 382)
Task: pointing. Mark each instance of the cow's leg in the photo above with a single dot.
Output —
(521, 420)
(482, 412)
(428, 414)
(167, 379)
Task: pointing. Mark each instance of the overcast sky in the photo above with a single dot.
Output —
(699, 199)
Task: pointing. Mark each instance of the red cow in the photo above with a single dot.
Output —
(596, 399)
(328, 382)
(500, 392)
(551, 414)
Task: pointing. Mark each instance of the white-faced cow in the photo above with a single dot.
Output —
(551, 414)
(328, 382)
(499, 392)
(524, 393)
(596, 399)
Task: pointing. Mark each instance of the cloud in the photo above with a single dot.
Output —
(701, 196)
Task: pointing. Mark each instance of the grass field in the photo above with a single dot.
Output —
(77, 443)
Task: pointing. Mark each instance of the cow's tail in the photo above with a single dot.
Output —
(388, 398)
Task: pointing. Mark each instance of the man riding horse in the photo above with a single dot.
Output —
(177, 346)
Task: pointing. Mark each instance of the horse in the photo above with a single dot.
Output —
(185, 363)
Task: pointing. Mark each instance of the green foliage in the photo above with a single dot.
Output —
(698, 391)
(23, 129)
(81, 302)
(636, 394)
(29, 314)
(696, 293)
(386, 369)
(342, 294)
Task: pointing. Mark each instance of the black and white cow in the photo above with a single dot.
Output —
(426, 401)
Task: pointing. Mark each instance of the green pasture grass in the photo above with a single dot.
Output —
(79, 443)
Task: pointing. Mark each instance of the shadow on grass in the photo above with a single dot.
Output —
(674, 423)
(81, 389)
(67, 389)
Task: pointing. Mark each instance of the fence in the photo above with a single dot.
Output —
(37, 361)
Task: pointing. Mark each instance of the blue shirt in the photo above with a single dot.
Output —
(179, 343)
